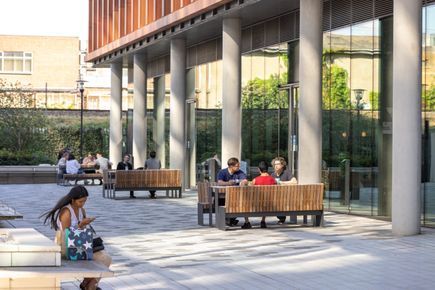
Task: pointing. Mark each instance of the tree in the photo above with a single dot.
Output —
(264, 94)
(336, 93)
(429, 98)
(21, 125)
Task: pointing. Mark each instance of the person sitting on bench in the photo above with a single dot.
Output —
(69, 212)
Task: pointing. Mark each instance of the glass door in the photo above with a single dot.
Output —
(292, 92)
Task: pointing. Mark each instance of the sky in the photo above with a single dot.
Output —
(44, 18)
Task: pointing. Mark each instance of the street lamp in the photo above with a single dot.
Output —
(359, 94)
(81, 87)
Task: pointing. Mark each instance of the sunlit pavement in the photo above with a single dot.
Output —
(157, 244)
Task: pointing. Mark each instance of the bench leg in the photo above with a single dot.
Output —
(317, 220)
(220, 218)
(200, 214)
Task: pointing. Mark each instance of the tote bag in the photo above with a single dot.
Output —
(78, 244)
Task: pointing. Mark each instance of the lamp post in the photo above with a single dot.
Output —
(359, 94)
(81, 87)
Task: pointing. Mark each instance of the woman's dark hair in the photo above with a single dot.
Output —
(263, 166)
(71, 157)
(76, 192)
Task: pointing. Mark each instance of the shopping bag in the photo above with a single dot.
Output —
(78, 244)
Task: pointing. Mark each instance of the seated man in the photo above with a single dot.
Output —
(152, 163)
(88, 163)
(231, 176)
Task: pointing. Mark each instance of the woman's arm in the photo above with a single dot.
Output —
(65, 218)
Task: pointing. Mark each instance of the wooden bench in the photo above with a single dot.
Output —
(50, 277)
(108, 181)
(203, 200)
(150, 179)
(272, 200)
(84, 176)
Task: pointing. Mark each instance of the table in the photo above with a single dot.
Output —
(215, 191)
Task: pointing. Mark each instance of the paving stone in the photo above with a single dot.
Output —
(157, 244)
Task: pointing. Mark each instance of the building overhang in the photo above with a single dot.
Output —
(197, 25)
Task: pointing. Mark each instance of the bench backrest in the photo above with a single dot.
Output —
(274, 198)
(170, 178)
(203, 188)
(108, 176)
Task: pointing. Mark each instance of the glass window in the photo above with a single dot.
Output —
(363, 88)
(264, 105)
(208, 112)
(15, 62)
(428, 116)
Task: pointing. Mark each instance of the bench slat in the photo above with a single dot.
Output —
(274, 198)
(160, 179)
(68, 269)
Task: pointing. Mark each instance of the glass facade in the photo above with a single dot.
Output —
(428, 116)
(357, 112)
(350, 89)
(264, 105)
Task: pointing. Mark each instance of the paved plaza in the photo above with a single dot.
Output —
(157, 244)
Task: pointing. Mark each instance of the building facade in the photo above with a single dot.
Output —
(46, 65)
(345, 90)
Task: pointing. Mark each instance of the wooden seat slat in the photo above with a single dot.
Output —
(273, 200)
(161, 179)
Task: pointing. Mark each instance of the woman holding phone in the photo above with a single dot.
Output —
(69, 212)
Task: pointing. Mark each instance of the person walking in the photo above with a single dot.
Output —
(152, 163)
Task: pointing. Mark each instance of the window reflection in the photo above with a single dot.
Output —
(428, 115)
(263, 103)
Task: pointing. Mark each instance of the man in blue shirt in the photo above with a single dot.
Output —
(231, 176)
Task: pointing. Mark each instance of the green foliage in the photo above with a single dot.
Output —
(374, 100)
(23, 158)
(336, 93)
(429, 98)
(29, 137)
(22, 127)
(208, 134)
(264, 94)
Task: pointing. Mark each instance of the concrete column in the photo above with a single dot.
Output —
(190, 177)
(115, 145)
(139, 110)
(177, 152)
(384, 134)
(231, 90)
(159, 119)
(406, 117)
(310, 101)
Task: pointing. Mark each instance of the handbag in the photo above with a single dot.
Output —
(78, 244)
(97, 242)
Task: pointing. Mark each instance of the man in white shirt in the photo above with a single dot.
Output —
(102, 163)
